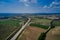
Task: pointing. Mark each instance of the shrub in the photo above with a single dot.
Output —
(39, 25)
(42, 36)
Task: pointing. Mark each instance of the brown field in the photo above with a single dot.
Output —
(54, 34)
(31, 33)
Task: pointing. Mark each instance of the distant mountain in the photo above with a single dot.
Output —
(10, 14)
(14, 14)
(45, 13)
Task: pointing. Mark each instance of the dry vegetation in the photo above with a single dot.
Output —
(36, 27)
(9, 26)
(6, 27)
(31, 33)
(54, 34)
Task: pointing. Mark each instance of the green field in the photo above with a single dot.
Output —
(56, 23)
(8, 26)
(10, 22)
(40, 22)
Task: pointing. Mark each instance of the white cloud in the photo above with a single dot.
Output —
(24, 0)
(31, 1)
(34, 1)
(26, 4)
(55, 5)
(45, 6)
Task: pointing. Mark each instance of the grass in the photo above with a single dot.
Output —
(56, 23)
(10, 22)
(8, 26)
(42, 21)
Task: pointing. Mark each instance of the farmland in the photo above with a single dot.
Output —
(53, 34)
(40, 22)
(31, 33)
(9, 26)
(39, 25)
(35, 28)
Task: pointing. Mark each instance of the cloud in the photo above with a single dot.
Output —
(55, 5)
(24, 0)
(26, 4)
(45, 6)
(32, 1)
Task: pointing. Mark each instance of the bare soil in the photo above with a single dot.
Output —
(31, 33)
(54, 34)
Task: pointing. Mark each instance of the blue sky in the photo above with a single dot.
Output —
(29, 6)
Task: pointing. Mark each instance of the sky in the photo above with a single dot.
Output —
(29, 6)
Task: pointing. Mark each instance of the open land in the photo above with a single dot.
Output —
(35, 28)
(9, 26)
(31, 33)
(53, 34)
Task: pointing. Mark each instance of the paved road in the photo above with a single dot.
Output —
(16, 35)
